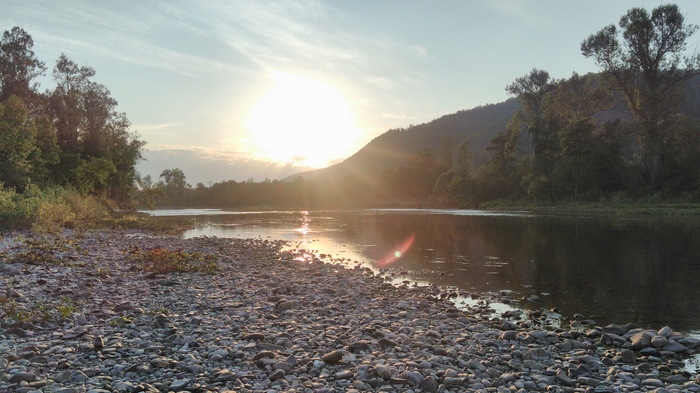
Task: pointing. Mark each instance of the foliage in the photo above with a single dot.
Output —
(49, 210)
(19, 66)
(71, 136)
(649, 67)
(161, 260)
(174, 185)
(17, 143)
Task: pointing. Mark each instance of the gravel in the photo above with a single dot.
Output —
(268, 320)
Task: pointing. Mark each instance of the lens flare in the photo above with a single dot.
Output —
(396, 254)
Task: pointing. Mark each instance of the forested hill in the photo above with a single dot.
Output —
(478, 126)
(394, 147)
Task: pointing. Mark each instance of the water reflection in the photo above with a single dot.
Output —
(641, 270)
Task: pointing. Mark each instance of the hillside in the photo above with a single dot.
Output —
(392, 148)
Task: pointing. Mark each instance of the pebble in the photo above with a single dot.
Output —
(266, 322)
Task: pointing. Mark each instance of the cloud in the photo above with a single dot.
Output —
(212, 166)
(521, 11)
(153, 127)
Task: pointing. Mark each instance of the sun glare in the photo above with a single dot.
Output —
(303, 121)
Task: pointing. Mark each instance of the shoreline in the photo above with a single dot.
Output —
(267, 322)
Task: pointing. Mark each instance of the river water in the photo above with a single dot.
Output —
(643, 269)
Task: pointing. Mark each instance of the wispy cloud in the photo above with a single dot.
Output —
(525, 12)
(153, 127)
(240, 37)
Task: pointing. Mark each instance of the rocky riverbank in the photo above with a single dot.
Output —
(91, 320)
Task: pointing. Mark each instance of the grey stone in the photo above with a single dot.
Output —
(509, 335)
(179, 384)
(627, 356)
(382, 371)
(22, 377)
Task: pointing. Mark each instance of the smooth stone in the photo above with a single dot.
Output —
(453, 381)
(628, 356)
(675, 347)
(347, 374)
(277, 374)
(640, 340)
(332, 357)
(178, 384)
(509, 335)
(358, 346)
(17, 331)
(659, 341)
(66, 390)
(22, 377)
(588, 381)
(537, 354)
(665, 332)
(413, 376)
(653, 382)
(382, 371)
(429, 384)
(284, 366)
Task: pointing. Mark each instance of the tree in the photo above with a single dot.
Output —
(18, 66)
(67, 102)
(573, 105)
(88, 127)
(46, 154)
(532, 90)
(648, 66)
(447, 152)
(175, 184)
(17, 134)
(498, 177)
(149, 193)
(579, 98)
(93, 175)
(464, 158)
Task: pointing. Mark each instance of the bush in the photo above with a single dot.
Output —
(49, 210)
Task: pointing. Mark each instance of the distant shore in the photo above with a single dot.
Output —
(266, 319)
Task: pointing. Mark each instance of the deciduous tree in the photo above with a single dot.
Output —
(646, 60)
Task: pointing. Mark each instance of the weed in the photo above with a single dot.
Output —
(160, 310)
(120, 320)
(45, 252)
(161, 260)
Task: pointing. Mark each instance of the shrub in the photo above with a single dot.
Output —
(49, 210)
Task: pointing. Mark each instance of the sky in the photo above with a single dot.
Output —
(238, 90)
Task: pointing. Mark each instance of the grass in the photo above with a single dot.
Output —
(54, 209)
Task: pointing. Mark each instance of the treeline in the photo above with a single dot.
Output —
(629, 132)
(70, 136)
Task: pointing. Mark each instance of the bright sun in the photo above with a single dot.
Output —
(303, 121)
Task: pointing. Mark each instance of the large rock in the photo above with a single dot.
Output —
(640, 341)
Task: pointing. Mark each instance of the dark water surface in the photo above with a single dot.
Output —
(644, 270)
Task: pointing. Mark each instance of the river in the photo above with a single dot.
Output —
(643, 269)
